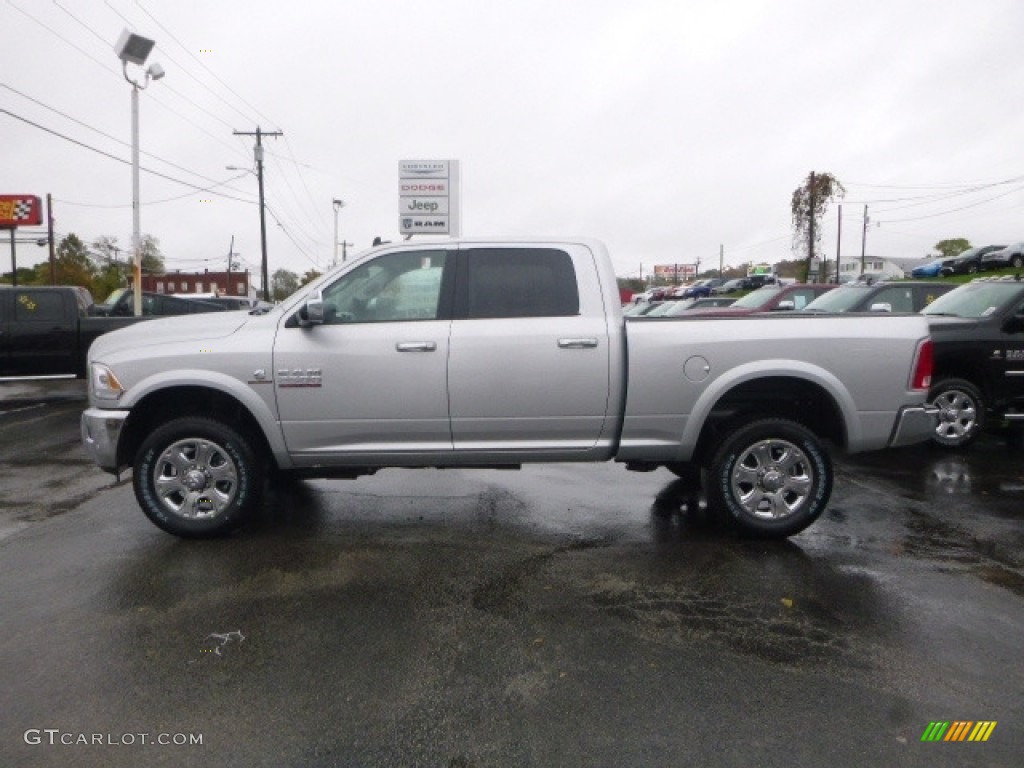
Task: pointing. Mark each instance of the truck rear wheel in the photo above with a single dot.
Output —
(197, 478)
(961, 412)
(772, 476)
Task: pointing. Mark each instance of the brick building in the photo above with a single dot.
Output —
(222, 283)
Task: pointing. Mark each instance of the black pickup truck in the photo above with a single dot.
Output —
(978, 341)
(46, 330)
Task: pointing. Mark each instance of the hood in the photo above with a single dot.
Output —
(205, 325)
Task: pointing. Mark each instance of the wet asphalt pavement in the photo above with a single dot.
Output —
(559, 616)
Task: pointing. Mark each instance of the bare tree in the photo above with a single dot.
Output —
(810, 201)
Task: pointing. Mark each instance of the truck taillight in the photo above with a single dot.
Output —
(923, 364)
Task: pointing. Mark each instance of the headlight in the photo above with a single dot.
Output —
(103, 384)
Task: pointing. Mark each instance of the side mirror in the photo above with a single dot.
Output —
(881, 307)
(1014, 324)
(312, 312)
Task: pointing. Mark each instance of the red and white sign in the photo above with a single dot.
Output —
(20, 211)
(428, 197)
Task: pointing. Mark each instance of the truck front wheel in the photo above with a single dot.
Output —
(961, 412)
(773, 477)
(197, 478)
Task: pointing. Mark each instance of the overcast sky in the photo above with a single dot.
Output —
(666, 128)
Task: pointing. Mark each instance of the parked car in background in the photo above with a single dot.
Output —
(701, 288)
(931, 269)
(968, 262)
(681, 307)
(771, 298)
(47, 330)
(121, 303)
(977, 335)
(901, 296)
(729, 286)
(753, 282)
(1010, 256)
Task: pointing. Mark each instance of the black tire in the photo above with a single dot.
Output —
(961, 412)
(972, 268)
(1017, 261)
(772, 476)
(197, 478)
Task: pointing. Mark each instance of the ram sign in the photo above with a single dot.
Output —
(428, 197)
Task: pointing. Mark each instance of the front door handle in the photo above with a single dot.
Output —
(577, 343)
(416, 346)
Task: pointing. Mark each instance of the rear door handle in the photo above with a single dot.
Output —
(577, 343)
(416, 346)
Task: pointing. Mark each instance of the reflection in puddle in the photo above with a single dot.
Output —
(952, 475)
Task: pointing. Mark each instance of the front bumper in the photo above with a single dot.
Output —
(915, 424)
(100, 432)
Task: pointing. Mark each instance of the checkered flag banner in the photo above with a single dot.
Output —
(20, 211)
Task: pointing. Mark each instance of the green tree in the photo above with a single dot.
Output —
(73, 264)
(953, 247)
(808, 205)
(152, 258)
(283, 284)
(113, 267)
(309, 276)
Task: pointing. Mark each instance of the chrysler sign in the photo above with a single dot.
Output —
(428, 197)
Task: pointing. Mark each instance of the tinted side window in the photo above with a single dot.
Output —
(47, 307)
(898, 297)
(520, 282)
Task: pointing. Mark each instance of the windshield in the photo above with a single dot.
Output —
(758, 298)
(974, 300)
(842, 299)
(114, 296)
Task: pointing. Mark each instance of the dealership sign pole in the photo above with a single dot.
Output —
(19, 211)
(429, 199)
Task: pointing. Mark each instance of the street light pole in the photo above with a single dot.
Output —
(134, 49)
(338, 205)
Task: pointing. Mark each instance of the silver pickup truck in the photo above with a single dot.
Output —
(485, 353)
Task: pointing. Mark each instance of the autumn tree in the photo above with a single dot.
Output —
(808, 206)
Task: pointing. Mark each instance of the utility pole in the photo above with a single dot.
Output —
(258, 152)
(863, 239)
(839, 241)
(49, 236)
(721, 261)
(810, 227)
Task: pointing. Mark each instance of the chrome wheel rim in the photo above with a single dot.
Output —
(772, 479)
(195, 479)
(957, 415)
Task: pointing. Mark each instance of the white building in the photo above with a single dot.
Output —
(850, 266)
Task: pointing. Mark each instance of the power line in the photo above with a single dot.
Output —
(114, 157)
(105, 134)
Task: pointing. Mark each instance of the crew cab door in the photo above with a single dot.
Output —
(42, 332)
(529, 358)
(1007, 373)
(372, 379)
